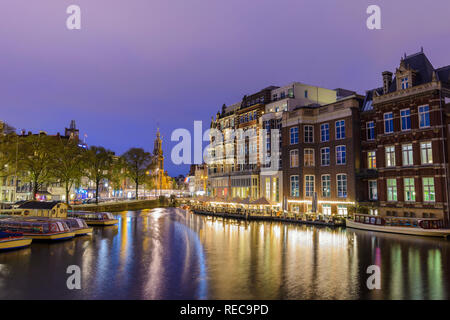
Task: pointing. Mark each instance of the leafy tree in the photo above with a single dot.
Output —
(8, 154)
(117, 173)
(98, 161)
(68, 164)
(35, 155)
(138, 165)
(6, 128)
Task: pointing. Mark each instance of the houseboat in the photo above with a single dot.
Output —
(36, 229)
(11, 241)
(94, 218)
(48, 209)
(429, 227)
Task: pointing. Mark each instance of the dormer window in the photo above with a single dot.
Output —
(405, 83)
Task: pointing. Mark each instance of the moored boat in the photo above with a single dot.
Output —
(403, 225)
(37, 228)
(10, 241)
(94, 218)
(78, 226)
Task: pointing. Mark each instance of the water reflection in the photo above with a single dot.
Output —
(171, 254)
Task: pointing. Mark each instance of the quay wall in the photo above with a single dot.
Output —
(254, 217)
(121, 206)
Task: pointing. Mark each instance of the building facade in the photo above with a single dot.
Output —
(320, 154)
(404, 126)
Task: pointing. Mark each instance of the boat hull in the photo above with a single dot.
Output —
(51, 236)
(101, 222)
(10, 244)
(82, 232)
(399, 230)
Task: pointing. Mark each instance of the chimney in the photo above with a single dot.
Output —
(387, 81)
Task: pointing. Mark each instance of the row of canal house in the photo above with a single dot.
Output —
(386, 151)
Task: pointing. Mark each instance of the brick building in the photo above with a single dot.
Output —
(404, 134)
(321, 149)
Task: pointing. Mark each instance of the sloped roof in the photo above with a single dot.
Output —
(443, 74)
(368, 99)
(420, 63)
(39, 205)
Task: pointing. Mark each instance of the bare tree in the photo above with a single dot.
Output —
(68, 165)
(35, 156)
(98, 161)
(138, 165)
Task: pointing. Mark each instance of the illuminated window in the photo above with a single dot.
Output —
(291, 92)
(407, 154)
(390, 156)
(268, 188)
(326, 186)
(326, 209)
(373, 193)
(309, 186)
(294, 186)
(309, 158)
(342, 210)
(371, 159)
(342, 185)
(294, 158)
(429, 194)
(410, 192)
(426, 152)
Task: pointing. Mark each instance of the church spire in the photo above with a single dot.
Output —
(157, 150)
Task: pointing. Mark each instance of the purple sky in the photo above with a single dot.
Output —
(138, 63)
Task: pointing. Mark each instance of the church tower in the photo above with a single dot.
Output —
(158, 152)
(72, 132)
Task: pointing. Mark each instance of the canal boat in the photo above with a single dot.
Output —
(76, 225)
(37, 228)
(11, 241)
(429, 227)
(94, 218)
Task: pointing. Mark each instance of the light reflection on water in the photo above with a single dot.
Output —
(171, 254)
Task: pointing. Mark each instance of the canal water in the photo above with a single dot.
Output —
(172, 254)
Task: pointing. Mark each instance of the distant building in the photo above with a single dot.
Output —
(163, 181)
(236, 169)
